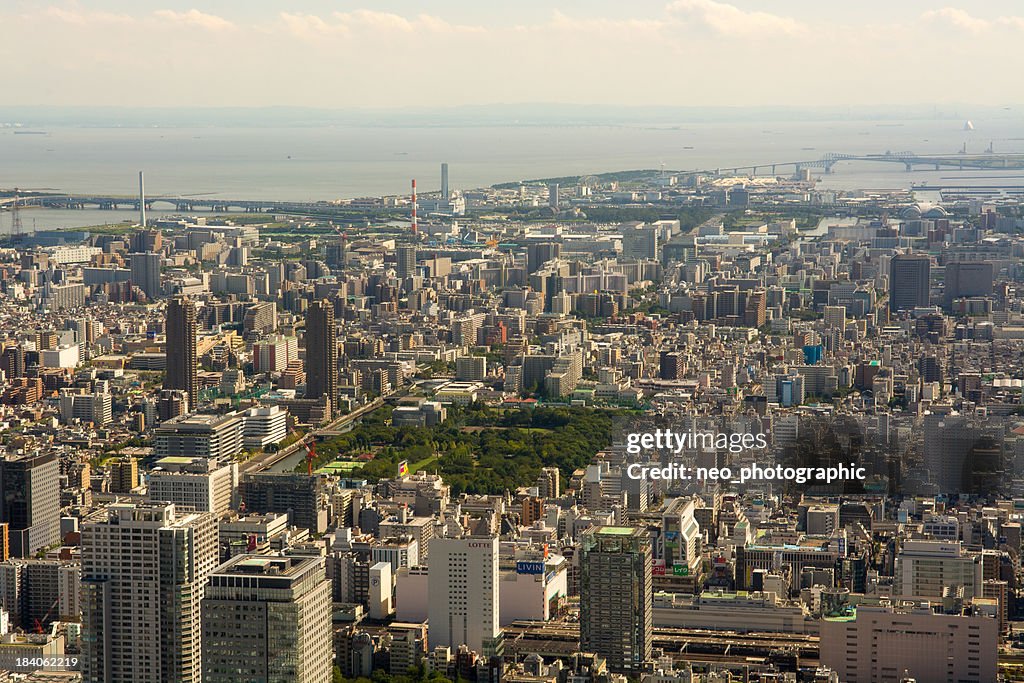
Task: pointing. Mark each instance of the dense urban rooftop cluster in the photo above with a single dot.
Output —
(278, 448)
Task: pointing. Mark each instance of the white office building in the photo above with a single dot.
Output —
(924, 568)
(463, 594)
(203, 436)
(264, 425)
(95, 407)
(194, 484)
(67, 356)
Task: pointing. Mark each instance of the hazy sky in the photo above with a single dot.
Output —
(375, 53)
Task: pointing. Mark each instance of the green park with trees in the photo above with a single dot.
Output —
(478, 450)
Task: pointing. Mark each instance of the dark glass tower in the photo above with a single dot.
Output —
(322, 353)
(181, 349)
(30, 501)
(146, 273)
(909, 281)
(616, 598)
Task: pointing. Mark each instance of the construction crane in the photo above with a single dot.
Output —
(39, 622)
(310, 454)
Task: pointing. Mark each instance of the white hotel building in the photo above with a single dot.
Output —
(463, 594)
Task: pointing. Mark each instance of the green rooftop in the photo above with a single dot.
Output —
(175, 460)
(847, 614)
(339, 466)
(616, 531)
